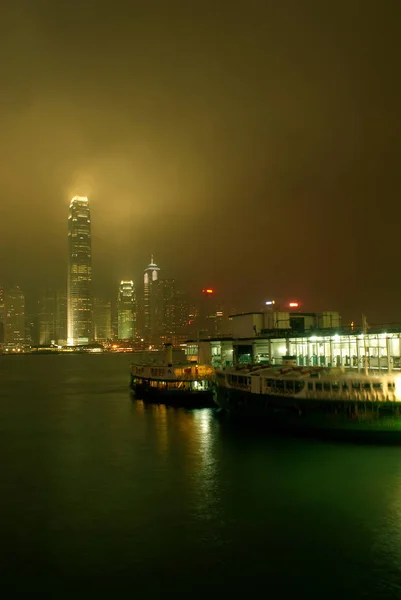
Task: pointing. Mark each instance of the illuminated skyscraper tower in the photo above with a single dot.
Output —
(102, 319)
(79, 281)
(47, 310)
(52, 317)
(15, 317)
(126, 310)
(152, 304)
(2, 315)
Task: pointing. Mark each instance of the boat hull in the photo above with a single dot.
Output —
(180, 398)
(367, 422)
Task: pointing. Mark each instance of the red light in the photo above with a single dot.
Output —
(208, 291)
(294, 304)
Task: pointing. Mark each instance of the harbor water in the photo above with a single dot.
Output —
(102, 494)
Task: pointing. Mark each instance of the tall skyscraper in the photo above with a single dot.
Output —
(52, 317)
(193, 320)
(102, 320)
(79, 281)
(152, 305)
(114, 319)
(169, 311)
(2, 315)
(126, 310)
(31, 329)
(182, 319)
(210, 314)
(47, 310)
(15, 317)
(61, 317)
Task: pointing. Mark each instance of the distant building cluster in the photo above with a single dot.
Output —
(140, 316)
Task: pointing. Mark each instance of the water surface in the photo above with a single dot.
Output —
(100, 494)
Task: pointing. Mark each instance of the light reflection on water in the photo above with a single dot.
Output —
(94, 482)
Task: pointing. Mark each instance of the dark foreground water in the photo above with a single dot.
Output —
(102, 495)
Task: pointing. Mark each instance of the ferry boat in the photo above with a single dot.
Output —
(318, 401)
(181, 384)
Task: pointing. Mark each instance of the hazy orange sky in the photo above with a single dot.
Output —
(251, 146)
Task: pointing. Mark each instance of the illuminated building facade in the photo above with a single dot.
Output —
(60, 324)
(182, 319)
(102, 318)
(324, 342)
(47, 313)
(169, 311)
(15, 317)
(207, 313)
(175, 314)
(2, 315)
(152, 305)
(79, 281)
(52, 318)
(126, 311)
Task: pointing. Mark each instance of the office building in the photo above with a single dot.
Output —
(182, 318)
(60, 325)
(114, 319)
(126, 310)
(52, 318)
(152, 305)
(208, 310)
(2, 314)
(102, 319)
(79, 280)
(47, 311)
(15, 317)
(169, 311)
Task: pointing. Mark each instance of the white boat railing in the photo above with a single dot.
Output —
(172, 373)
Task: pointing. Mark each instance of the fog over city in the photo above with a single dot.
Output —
(252, 147)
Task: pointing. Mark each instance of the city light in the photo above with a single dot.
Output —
(78, 199)
(207, 291)
(270, 302)
(293, 304)
(79, 280)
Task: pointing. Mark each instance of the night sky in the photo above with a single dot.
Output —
(251, 146)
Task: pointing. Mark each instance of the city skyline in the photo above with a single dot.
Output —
(148, 316)
(252, 157)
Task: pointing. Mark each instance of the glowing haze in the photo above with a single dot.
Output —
(252, 147)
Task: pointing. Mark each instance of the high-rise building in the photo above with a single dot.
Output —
(182, 320)
(52, 317)
(31, 329)
(102, 320)
(15, 317)
(126, 310)
(152, 305)
(2, 315)
(79, 281)
(47, 311)
(193, 320)
(211, 320)
(114, 319)
(60, 325)
(140, 315)
(169, 311)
